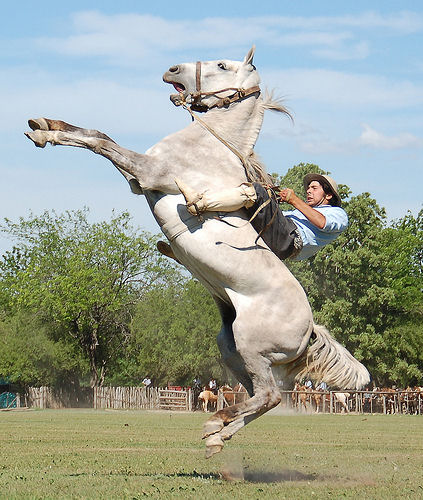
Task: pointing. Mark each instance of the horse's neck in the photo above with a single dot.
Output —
(192, 154)
(239, 124)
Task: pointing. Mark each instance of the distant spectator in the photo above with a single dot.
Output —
(309, 384)
(213, 385)
(196, 389)
(323, 386)
(146, 382)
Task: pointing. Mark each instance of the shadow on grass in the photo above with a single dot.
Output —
(277, 477)
(260, 476)
(245, 475)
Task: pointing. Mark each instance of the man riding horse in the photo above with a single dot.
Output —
(297, 234)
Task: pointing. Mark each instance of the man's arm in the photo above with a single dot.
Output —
(287, 195)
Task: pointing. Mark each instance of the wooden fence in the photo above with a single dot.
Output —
(228, 398)
(141, 398)
(49, 397)
(402, 402)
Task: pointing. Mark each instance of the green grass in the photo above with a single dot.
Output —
(128, 454)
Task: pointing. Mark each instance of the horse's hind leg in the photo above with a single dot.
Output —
(227, 346)
(225, 423)
(232, 358)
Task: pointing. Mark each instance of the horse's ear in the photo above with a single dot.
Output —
(248, 59)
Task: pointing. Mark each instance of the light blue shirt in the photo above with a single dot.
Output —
(314, 238)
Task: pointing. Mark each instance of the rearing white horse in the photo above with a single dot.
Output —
(268, 337)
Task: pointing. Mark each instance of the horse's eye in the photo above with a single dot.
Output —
(221, 65)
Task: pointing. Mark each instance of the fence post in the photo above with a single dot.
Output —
(220, 403)
(189, 395)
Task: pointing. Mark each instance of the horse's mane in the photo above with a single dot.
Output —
(255, 168)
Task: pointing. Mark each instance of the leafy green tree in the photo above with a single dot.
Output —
(404, 243)
(174, 337)
(28, 355)
(366, 287)
(83, 277)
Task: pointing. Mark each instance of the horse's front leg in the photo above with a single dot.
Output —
(48, 124)
(131, 164)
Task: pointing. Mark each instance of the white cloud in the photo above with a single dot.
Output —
(133, 38)
(344, 89)
(356, 51)
(319, 141)
(377, 140)
(406, 22)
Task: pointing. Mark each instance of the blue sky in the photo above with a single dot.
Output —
(350, 72)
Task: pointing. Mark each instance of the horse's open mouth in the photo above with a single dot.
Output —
(178, 87)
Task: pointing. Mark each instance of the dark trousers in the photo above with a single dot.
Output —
(278, 234)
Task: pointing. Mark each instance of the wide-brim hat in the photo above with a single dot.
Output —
(328, 181)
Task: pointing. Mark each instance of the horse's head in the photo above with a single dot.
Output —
(207, 84)
(226, 388)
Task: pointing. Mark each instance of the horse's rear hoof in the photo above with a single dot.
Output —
(212, 450)
(38, 124)
(214, 444)
(232, 473)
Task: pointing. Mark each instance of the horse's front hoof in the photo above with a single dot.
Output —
(38, 124)
(212, 426)
(37, 137)
(214, 444)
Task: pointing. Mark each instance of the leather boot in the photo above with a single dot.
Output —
(226, 200)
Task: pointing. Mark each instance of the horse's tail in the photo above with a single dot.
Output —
(326, 360)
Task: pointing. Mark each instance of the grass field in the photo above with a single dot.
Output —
(54, 454)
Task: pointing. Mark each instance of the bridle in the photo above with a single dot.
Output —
(238, 95)
(196, 104)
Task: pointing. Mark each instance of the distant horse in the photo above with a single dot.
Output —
(268, 332)
(301, 396)
(207, 397)
(342, 399)
(388, 396)
(318, 397)
(239, 388)
(227, 393)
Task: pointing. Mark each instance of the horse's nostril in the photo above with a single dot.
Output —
(174, 69)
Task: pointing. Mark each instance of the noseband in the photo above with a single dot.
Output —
(238, 95)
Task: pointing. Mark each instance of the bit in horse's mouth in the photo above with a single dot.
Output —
(178, 86)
